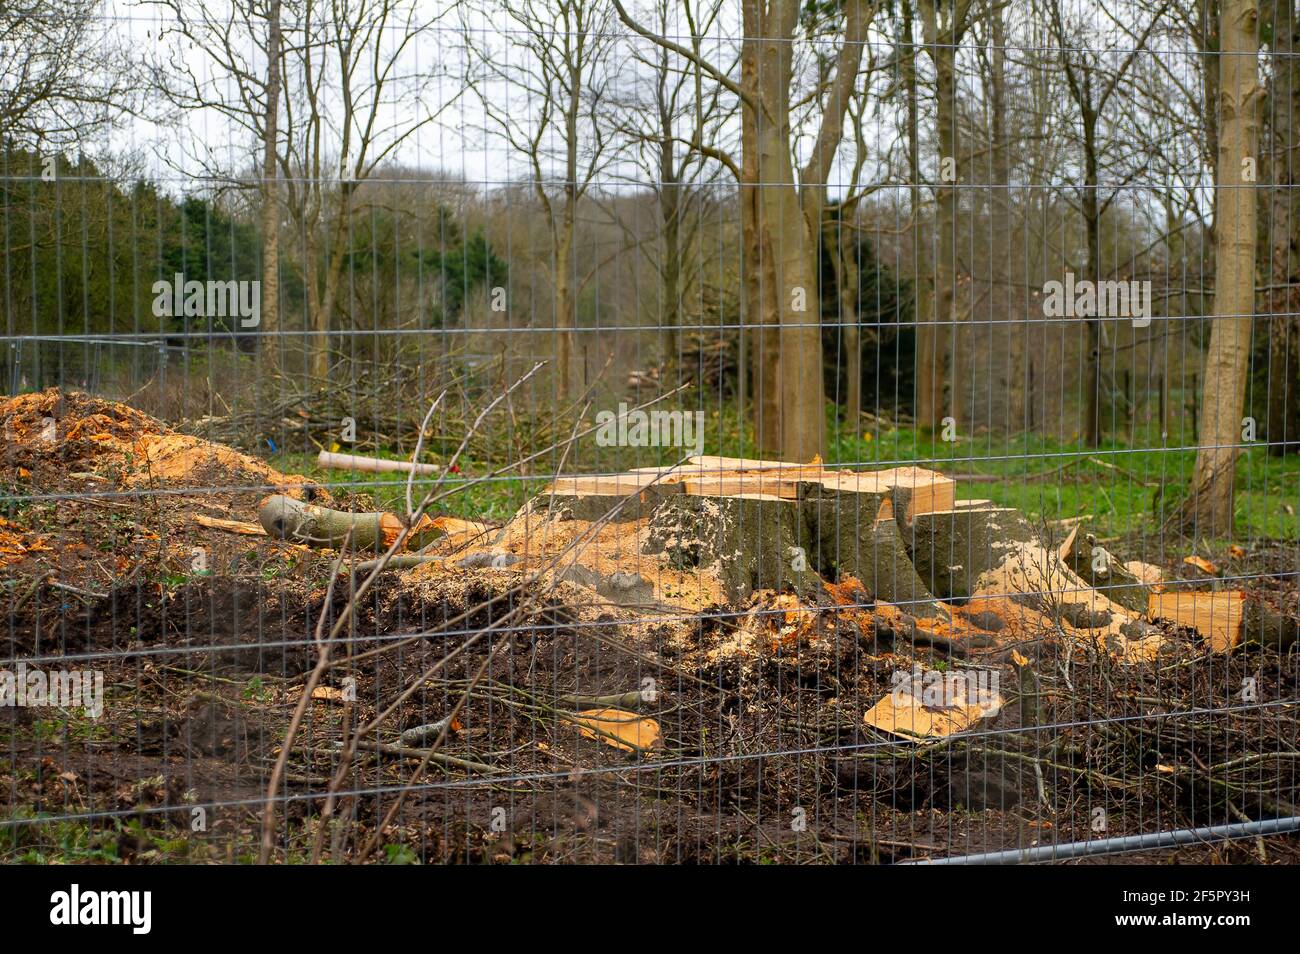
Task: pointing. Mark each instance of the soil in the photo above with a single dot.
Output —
(205, 639)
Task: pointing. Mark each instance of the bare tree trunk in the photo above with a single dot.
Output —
(941, 46)
(845, 265)
(1284, 238)
(1209, 507)
(822, 234)
(270, 197)
(1092, 272)
(929, 378)
(793, 292)
(1000, 166)
(765, 343)
(564, 305)
(670, 202)
(789, 291)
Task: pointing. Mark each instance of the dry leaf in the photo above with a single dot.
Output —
(619, 728)
(1202, 564)
(1236, 552)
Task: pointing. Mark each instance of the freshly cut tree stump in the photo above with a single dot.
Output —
(620, 498)
(911, 490)
(952, 548)
(748, 541)
(849, 537)
(733, 525)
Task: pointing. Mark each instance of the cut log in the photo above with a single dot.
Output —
(285, 518)
(1226, 618)
(1269, 627)
(1096, 566)
(1034, 576)
(1218, 616)
(374, 465)
(620, 498)
(230, 526)
(996, 557)
(748, 541)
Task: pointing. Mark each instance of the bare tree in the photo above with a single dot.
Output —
(671, 119)
(350, 100)
(781, 214)
(1283, 205)
(1093, 86)
(543, 91)
(944, 26)
(270, 192)
(64, 73)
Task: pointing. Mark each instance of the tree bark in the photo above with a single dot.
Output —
(1000, 213)
(1208, 510)
(791, 296)
(270, 198)
(1284, 232)
(765, 346)
(930, 303)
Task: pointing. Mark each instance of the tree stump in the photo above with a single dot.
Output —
(849, 537)
(748, 541)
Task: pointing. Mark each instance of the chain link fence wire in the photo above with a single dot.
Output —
(571, 431)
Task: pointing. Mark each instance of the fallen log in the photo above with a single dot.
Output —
(995, 557)
(374, 465)
(230, 526)
(285, 518)
(1096, 566)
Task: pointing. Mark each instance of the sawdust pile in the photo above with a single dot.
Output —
(52, 431)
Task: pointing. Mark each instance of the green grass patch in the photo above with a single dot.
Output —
(1129, 485)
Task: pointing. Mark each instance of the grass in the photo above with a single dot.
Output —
(1126, 486)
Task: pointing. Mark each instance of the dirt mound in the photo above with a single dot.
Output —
(58, 429)
(183, 459)
(72, 424)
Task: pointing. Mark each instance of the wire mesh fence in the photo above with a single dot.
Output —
(584, 431)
